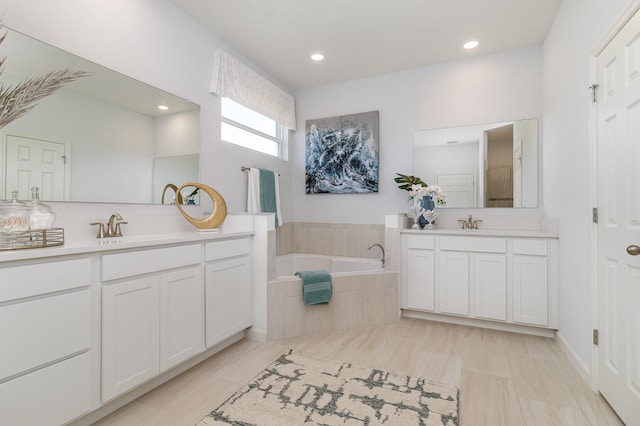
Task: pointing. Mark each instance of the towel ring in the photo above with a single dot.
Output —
(219, 213)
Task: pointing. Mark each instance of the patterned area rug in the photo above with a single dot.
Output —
(297, 389)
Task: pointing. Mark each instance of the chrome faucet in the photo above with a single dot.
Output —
(469, 223)
(381, 248)
(106, 230)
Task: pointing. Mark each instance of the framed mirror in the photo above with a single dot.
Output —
(101, 138)
(486, 165)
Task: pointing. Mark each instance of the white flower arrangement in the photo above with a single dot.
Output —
(418, 192)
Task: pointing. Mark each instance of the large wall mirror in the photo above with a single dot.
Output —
(487, 165)
(100, 139)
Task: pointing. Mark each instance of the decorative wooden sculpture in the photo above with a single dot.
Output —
(218, 214)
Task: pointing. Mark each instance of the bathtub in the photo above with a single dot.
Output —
(288, 264)
(364, 294)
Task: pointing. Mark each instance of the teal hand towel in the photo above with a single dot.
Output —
(268, 192)
(316, 287)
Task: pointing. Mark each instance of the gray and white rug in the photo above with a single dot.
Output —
(300, 390)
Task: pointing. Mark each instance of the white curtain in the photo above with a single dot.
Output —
(234, 80)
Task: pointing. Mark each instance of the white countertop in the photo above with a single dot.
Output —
(98, 245)
(483, 232)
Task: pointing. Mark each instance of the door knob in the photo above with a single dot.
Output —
(633, 250)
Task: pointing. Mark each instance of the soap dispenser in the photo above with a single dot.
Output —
(42, 216)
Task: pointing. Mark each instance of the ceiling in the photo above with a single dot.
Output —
(362, 38)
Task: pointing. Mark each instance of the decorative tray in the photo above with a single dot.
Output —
(37, 238)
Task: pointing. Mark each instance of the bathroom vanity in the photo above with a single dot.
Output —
(499, 279)
(84, 324)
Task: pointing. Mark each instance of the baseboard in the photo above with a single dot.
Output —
(256, 335)
(581, 367)
(481, 323)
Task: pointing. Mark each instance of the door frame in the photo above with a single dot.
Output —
(4, 134)
(614, 29)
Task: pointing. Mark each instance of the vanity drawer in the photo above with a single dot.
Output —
(43, 330)
(475, 244)
(227, 248)
(129, 264)
(49, 396)
(421, 242)
(532, 247)
(41, 278)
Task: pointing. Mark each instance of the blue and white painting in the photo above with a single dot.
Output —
(342, 154)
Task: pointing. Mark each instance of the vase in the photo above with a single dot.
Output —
(426, 203)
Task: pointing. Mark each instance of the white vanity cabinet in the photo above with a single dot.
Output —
(45, 341)
(480, 279)
(153, 321)
(228, 292)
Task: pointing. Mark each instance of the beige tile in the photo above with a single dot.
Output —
(489, 400)
(504, 378)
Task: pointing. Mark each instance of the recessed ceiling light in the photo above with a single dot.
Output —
(163, 107)
(471, 44)
(317, 56)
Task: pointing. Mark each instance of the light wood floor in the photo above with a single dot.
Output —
(505, 378)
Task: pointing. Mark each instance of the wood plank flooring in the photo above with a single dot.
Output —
(505, 378)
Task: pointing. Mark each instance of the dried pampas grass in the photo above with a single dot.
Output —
(16, 101)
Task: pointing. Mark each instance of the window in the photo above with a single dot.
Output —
(245, 127)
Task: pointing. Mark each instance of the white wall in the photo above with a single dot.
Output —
(154, 42)
(484, 89)
(578, 27)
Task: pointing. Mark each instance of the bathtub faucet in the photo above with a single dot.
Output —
(381, 248)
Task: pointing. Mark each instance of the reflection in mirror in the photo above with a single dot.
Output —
(103, 139)
(487, 165)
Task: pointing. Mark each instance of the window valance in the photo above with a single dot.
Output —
(234, 80)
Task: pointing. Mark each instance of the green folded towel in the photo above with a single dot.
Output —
(316, 287)
(268, 202)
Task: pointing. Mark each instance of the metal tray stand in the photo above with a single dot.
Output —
(36, 238)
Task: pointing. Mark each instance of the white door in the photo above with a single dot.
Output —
(618, 189)
(517, 176)
(36, 162)
(459, 189)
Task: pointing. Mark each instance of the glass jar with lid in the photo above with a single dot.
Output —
(41, 216)
(14, 215)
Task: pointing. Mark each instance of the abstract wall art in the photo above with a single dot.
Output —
(341, 154)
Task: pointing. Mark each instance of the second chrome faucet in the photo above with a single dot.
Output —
(111, 228)
(469, 223)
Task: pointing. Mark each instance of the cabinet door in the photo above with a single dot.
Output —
(454, 283)
(228, 295)
(530, 284)
(421, 279)
(130, 334)
(490, 283)
(181, 316)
